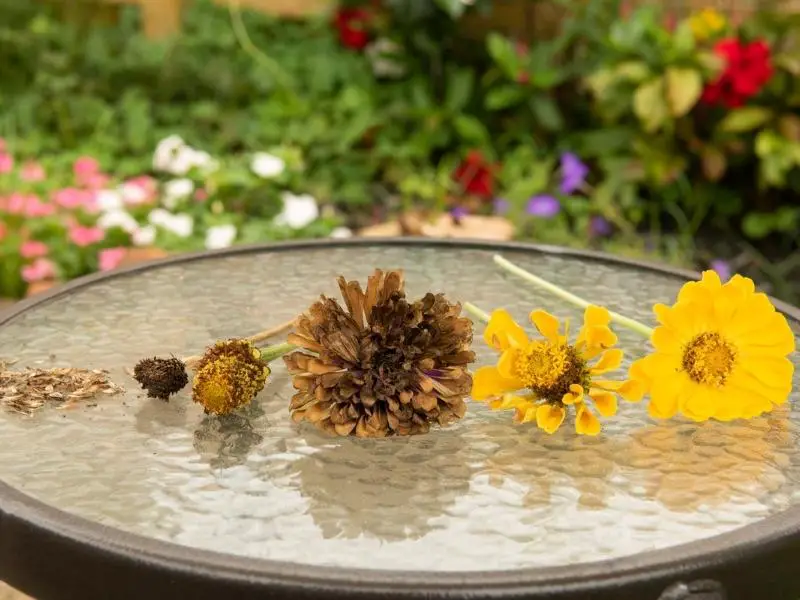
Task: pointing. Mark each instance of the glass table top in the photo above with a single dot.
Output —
(483, 494)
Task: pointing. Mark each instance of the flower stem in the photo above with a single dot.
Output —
(261, 336)
(476, 312)
(270, 353)
(631, 324)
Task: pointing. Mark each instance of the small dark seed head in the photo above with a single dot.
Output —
(161, 377)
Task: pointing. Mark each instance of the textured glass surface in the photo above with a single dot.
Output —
(484, 494)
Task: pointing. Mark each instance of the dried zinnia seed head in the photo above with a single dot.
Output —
(383, 365)
(229, 375)
(161, 377)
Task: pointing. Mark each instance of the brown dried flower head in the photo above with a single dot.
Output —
(229, 375)
(383, 366)
(161, 377)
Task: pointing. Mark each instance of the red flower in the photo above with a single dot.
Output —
(352, 25)
(748, 68)
(476, 175)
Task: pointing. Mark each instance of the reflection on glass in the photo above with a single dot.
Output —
(392, 489)
(227, 440)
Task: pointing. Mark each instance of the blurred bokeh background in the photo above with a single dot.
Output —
(132, 129)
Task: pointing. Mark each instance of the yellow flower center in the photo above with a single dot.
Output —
(548, 369)
(709, 358)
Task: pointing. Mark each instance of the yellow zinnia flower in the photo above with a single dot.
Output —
(707, 23)
(540, 378)
(720, 352)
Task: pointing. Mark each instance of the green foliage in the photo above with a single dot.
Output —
(623, 94)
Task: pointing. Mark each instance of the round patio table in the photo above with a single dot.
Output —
(129, 497)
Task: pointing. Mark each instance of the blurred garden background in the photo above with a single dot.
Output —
(669, 131)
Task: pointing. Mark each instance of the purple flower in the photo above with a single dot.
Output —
(722, 268)
(599, 226)
(458, 212)
(543, 206)
(500, 206)
(573, 173)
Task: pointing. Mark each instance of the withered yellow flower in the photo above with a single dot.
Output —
(229, 375)
(540, 378)
(721, 351)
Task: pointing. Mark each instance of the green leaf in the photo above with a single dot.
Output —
(502, 52)
(547, 112)
(459, 89)
(453, 8)
(632, 70)
(650, 105)
(714, 163)
(683, 39)
(470, 129)
(505, 96)
(758, 225)
(684, 87)
(745, 119)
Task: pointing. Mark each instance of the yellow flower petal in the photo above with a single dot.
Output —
(585, 422)
(527, 414)
(595, 316)
(666, 339)
(509, 401)
(609, 361)
(503, 332)
(488, 382)
(605, 402)
(632, 391)
(506, 363)
(598, 337)
(772, 372)
(546, 324)
(575, 394)
(664, 399)
(549, 417)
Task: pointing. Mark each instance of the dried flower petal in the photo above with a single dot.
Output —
(161, 377)
(382, 365)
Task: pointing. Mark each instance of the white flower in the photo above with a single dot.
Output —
(342, 232)
(181, 225)
(176, 190)
(118, 218)
(204, 161)
(382, 54)
(159, 216)
(267, 165)
(165, 152)
(144, 236)
(133, 194)
(298, 211)
(220, 236)
(108, 200)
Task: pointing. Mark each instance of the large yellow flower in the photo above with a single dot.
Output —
(720, 352)
(540, 378)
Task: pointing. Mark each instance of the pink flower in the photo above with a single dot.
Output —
(85, 166)
(86, 236)
(32, 171)
(6, 162)
(38, 270)
(201, 195)
(73, 198)
(35, 208)
(16, 204)
(110, 258)
(33, 249)
(96, 181)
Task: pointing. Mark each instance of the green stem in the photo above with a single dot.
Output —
(270, 353)
(631, 324)
(476, 312)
